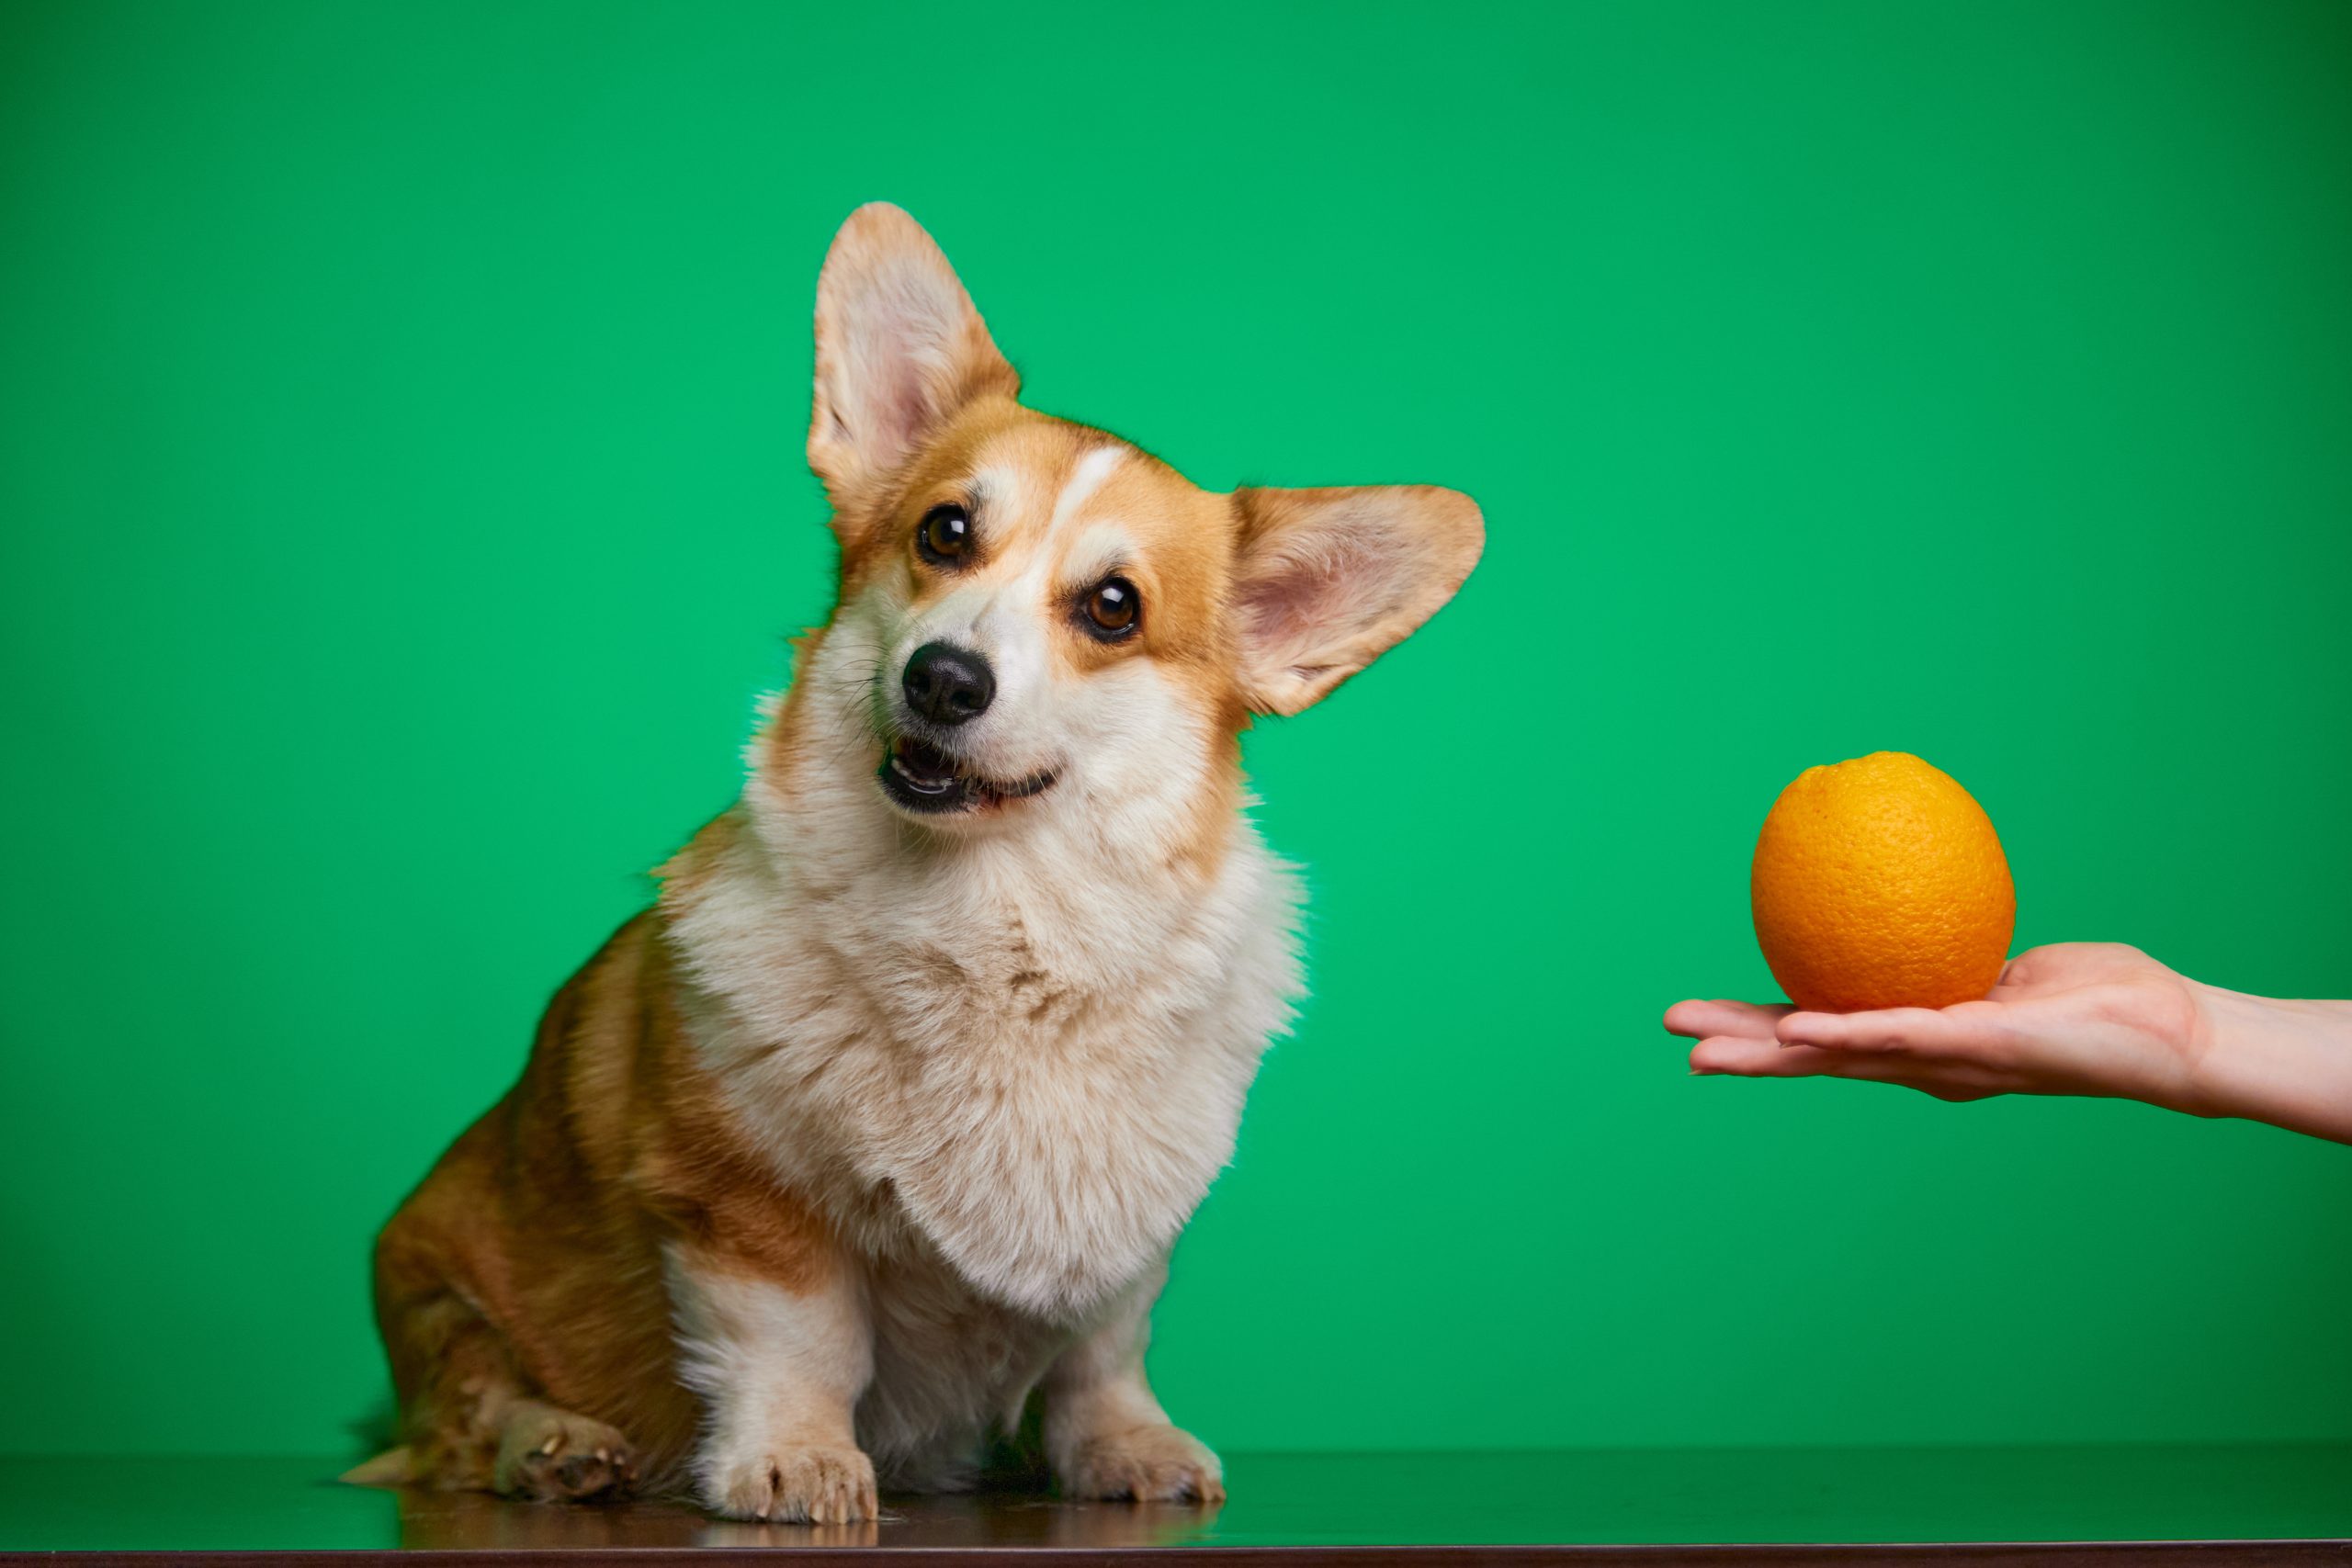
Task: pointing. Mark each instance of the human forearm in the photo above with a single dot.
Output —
(2284, 1062)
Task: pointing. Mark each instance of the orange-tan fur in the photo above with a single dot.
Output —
(881, 1121)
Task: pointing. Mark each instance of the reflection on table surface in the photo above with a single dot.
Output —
(451, 1520)
(2051, 1493)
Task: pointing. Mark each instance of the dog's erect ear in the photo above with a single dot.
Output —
(900, 349)
(1327, 580)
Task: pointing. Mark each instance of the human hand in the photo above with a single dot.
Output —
(2077, 1018)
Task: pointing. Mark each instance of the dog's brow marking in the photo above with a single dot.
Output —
(992, 485)
(1103, 548)
(1084, 480)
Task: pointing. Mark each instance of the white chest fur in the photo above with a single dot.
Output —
(986, 1054)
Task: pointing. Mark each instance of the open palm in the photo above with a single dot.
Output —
(2075, 1018)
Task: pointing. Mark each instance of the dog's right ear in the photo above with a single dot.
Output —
(900, 349)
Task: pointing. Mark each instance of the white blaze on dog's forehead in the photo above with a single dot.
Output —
(1083, 481)
(1009, 622)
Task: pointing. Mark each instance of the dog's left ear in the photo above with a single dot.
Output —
(900, 350)
(1327, 580)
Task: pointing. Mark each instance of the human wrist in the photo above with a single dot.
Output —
(2287, 1063)
(2213, 1065)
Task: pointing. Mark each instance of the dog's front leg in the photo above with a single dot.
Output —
(779, 1364)
(1105, 1433)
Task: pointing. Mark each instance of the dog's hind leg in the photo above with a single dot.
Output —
(471, 1417)
(472, 1423)
(559, 1455)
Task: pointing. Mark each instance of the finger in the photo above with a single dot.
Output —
(1696, 1019)
(1927, 1032)
(1744, 1055)
(1735, 1057)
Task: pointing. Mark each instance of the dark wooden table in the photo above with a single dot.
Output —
(1981, 1507)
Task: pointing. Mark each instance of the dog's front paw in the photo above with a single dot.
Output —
(1150, 1464)
(800, 1485)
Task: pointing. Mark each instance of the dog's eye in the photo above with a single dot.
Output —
(1112, 607)
(944, 537)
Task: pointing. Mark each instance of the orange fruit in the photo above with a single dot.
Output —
(1880, 883)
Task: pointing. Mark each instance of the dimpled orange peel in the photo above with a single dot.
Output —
(1880, 883)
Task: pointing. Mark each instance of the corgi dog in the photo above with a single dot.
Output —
(884, 1117)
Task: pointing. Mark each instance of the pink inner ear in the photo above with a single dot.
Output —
(899, 338)
(1330, 578)
(1323, 591)
(1280, 606)
(909, 411)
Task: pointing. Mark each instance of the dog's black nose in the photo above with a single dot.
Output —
(948, 685)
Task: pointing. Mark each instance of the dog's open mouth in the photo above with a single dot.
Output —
(921, 777)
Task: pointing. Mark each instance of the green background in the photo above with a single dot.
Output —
(401, 418)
